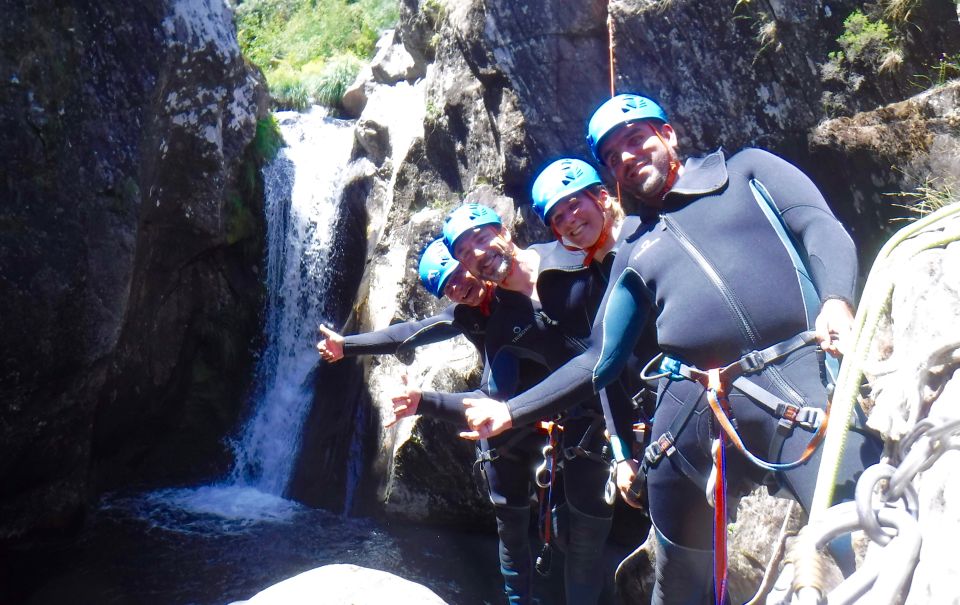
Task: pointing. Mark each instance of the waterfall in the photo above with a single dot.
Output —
(303, 188)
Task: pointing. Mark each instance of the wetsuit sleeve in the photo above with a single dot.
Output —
(616, 329)
(618, 415)
(449, 406)
(829, 248)
(406, 335)
(445, 406)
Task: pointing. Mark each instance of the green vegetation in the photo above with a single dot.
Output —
(311, 50)
(863, 39)
(268, 140)
(932, 195)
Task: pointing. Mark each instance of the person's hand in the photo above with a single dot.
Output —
(486, 418)
(833, 326)
(626, 473)
(331, 345)
(404, 402)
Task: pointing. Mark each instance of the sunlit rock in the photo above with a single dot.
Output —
(915, 374)
(344, 585)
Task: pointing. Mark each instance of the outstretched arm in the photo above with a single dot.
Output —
(409, 334)
(617, 327)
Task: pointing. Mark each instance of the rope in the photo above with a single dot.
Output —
(875, 297)
(613, 69)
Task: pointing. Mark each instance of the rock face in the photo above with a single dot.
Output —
(130, 237)
(508, 87)
(344, 585)
(915, 376)
(919, 137)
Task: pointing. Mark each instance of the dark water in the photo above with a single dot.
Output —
(144, 550)
(215, 545)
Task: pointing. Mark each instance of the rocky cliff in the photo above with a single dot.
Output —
(507, 87)
(130, 235)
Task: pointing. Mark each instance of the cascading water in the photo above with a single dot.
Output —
(303, 189)
(216, 543)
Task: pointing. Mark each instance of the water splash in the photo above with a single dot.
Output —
(303, 189)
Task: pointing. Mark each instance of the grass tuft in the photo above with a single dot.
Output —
(307, 49)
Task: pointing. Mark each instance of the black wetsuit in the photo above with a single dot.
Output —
(718, 281)
(525, 340)
(507, 460)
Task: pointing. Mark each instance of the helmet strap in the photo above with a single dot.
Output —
(487, 301)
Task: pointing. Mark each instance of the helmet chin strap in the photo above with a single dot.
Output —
(487, 300)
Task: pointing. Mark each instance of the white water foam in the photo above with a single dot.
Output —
(303, 190)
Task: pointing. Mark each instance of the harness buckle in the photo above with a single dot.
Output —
(752, 362)
(656, 450)
(488, 455)
(671, 368)
(810, 418)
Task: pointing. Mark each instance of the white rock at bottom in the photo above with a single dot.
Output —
(344, 585)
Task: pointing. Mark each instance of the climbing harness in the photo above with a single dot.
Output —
(504, 451)
(717, 383)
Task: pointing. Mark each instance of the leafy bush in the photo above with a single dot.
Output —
(864, 38)
(311, 50)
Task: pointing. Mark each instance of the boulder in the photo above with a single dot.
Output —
(914, 375)
(132, 235)
(393, 63)
(344, 585)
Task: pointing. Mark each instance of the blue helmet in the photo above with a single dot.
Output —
(436, 267)
(560, 180)
(466, 217)
(619, 111)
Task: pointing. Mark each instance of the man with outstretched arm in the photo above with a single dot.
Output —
(721, 266)
(506, 461)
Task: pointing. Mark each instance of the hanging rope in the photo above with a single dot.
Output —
(613, 67)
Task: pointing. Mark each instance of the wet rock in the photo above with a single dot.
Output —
(131, 238)
(344, 585)
(393, 63)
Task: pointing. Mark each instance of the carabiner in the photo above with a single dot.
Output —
(544, 473)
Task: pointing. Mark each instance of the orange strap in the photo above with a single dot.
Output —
(487, 301)
(719, 498)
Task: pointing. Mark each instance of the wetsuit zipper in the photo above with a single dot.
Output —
(746, 328)
(744, 322)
